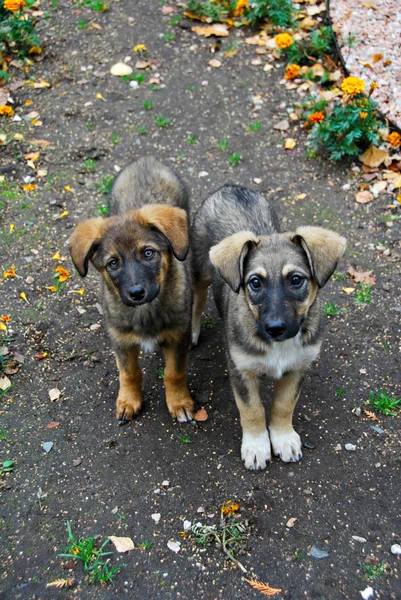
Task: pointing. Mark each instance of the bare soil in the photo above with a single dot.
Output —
(107, 480)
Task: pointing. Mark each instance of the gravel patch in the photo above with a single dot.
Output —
(375, 53)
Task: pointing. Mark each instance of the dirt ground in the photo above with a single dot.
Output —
(109, 480)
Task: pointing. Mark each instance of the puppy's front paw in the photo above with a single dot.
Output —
(195, 335)
(126, 410)
(182, 410)
(286, 445)
(255, 450)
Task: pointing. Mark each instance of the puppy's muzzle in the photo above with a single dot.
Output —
(275, 329)
(137, 293)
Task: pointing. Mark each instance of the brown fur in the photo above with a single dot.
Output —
(140, 253)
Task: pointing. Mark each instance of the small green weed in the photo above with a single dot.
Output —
(176, 19)
(90, 126)
(89, 164)
(374, 571)
(6, 467)
(82, 24)
(299, 554)
(191, 139)
(3, 436)
(208, 321)
(148, 104)
(331, 309)
(255, 126)
(214, 12)
(92, 557)
(96, 5)
(223, 144)
(338, 276)
(278, 12)
(234, 159)
(105, 184)
(139, 77)
(146, 545)
(168, 36)
(191, 88)
(162, 121)
(114, 138)
(382, 402)
(102, 210)
(160, 373)
(185, 439)
(340, 392)
(230, 535)
(363, 294)
(142, 130)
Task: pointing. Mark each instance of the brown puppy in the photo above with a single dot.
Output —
(266, 286)
(140, 253)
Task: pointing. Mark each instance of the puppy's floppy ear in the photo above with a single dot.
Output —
(323, 247)
(171, 222)
(84, 242)
(229, 255)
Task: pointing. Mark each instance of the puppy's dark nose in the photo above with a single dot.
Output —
(137, 293)
(275, 328)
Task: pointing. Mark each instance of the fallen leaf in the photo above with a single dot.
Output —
(142, 64)
(377, 57)
(201, 415)
(371, 415)
(348, 290)
(121, 69)
(282, 125)
(362, 276)
(54, 394)
(200, 18)
(32, 156)
(291, 522)
(217, 29)
(5, 383)
(41, 143)
(215, 62)
(307, 23)
(264, 588)
(290, 144)
(122, 544)
(167, 10)
(96, 26)
(52, 425)
(230, 507)
(256, 40)
(373, 157)
(364, 197)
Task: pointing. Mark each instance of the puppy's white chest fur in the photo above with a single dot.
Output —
(280, 357)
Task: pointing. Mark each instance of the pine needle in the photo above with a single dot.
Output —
(263, 588)
(61, 583)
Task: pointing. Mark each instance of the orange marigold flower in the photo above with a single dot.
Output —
(51, 288)
(316, 117)
(10, 273)
(5, 318)
(240, 7)
(63, 274)
(363, 115)
(283, 40)
(353, 86)
(6, 111)
(373, 87)
(35, 50)
(13, 5)
(394, 139)
(29, 187)
(230, 507)
(292, 71)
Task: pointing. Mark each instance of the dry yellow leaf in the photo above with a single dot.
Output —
(371, 415)
(217, 29)
(377, 57)
(373, 157)
(362, 276)
(349, 290)
(264, 588)
(290, 144)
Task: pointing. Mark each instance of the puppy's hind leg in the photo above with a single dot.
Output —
(129, 400)
(286, 443)
(200, 297)
(255, 448)
(178, 399)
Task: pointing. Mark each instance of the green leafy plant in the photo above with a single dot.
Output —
(374, 571)
(176, 19)
(6, 467)
(89, 164)
(255, 126)
(340, 392)
(17, 32)
(96, 5)
(168, 36)
(105, 184)
(114, 138)
(162, 121)
(349, 128)
(191, 139)
(148, 104)
(278, 12)
(331, 309)
(315, 46)
(185, 439)
(214, 11)
(3, 436)
(82, 24)
(91, 557)
(382, 402)
(234, 159)
(139, 77)
(146, 545)
(363, 294)
(223, 144)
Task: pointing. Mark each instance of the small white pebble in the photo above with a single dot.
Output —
(396, 549)
(361, 540)
(203, 174)
(257, 180)
(156, 491)
(187, 525)
(338, 448)
(174, 546)
(165, 483)
(156, 517)
(346, 186)
(205, 83)
(350, 447)
(134, 84)
(200, 510)
(368, 593)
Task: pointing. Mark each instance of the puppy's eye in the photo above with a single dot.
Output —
(255, 283)
(149, 253)
(113, 264)
(297, 280)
